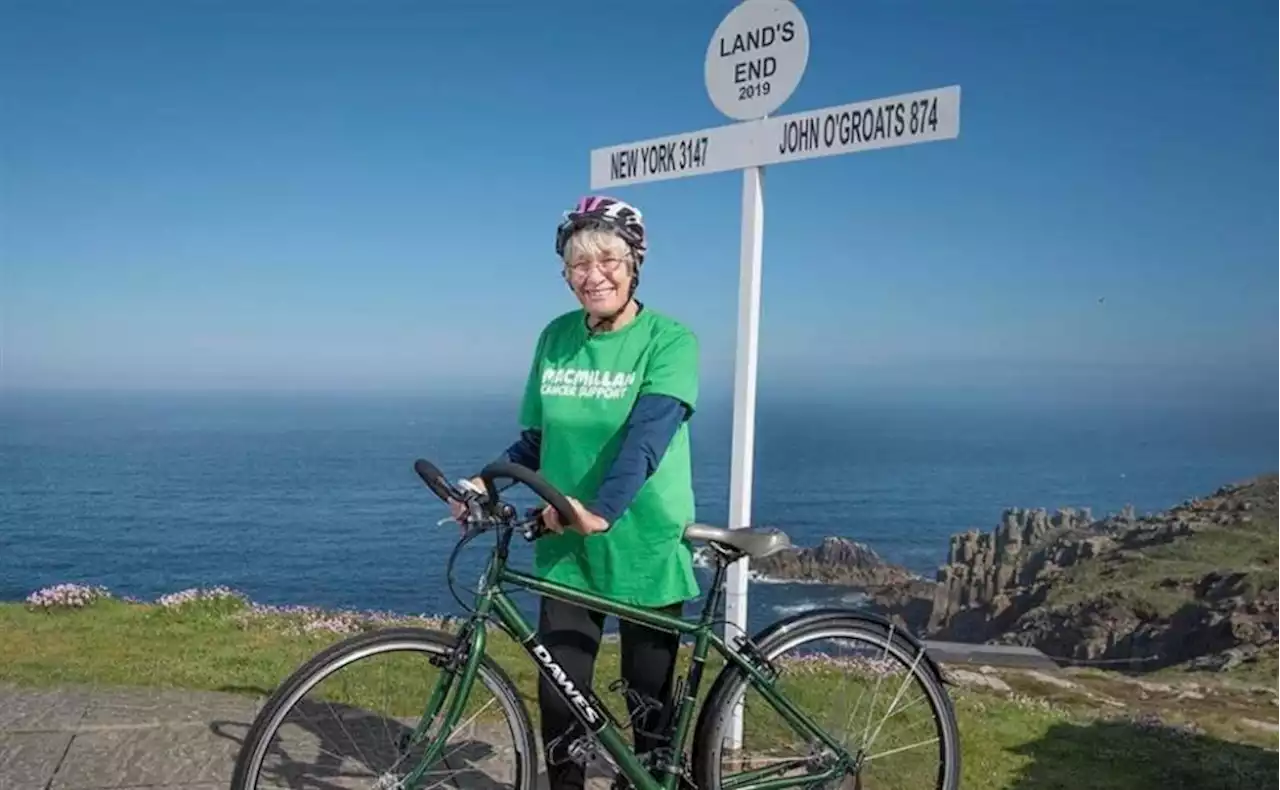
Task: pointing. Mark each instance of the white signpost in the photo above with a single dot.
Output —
(753, 64)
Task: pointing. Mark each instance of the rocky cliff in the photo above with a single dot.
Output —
(1195, 583)
(990, 576)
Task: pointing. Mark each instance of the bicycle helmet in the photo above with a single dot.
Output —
(601, 211)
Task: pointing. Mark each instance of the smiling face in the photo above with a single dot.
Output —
(599, 269)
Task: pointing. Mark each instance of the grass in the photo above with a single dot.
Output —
(1040, 736)
(1162, 578)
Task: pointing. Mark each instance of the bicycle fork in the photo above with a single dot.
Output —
(461, 665)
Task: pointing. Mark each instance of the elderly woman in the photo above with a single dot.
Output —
(605, 420)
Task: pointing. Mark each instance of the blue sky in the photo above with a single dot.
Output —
(363, 195)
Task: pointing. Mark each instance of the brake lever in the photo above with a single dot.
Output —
(534, 527)
(478, 493)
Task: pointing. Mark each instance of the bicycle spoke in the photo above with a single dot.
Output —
(900, 749)
(876, 693)
(863, 693)
(914, 665)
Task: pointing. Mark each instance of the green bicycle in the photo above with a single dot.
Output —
(431, 695)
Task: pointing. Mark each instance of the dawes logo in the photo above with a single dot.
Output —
(566, 684)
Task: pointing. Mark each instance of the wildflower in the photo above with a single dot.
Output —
(66, 596)
(219, 593)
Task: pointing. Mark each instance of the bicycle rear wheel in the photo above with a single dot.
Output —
(897, 723)
(345, 719)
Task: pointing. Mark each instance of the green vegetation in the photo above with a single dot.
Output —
(1216, 555)
(1162, 578)
(1099, 733)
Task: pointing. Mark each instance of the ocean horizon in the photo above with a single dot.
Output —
(310, 498)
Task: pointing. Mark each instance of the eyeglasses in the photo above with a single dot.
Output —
(579, 270)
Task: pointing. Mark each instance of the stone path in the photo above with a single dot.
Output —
(1005, 656)
(84, 739)
(126, 739)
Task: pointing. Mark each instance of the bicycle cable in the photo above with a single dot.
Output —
(453, 556)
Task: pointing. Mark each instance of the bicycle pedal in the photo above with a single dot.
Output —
(583, 750)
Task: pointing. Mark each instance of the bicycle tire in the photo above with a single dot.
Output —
(708, 737)
(287, 694)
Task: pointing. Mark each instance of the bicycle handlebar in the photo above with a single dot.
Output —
(440, 486)
(533, 480)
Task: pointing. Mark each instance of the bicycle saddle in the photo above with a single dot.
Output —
(755, 542)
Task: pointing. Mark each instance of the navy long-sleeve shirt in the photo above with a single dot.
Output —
(647, 433)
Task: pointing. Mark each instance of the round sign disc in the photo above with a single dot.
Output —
(756, 58)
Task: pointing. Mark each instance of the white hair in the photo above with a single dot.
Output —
(596, 242)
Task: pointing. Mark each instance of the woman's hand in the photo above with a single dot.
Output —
(457, 509)
(585, 522)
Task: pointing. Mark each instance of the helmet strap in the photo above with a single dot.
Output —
(605, 323)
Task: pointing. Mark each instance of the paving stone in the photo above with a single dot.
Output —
(40, 710)
(131, 739)
(162, 706)
(182, 754)
(29, 759)
(200, 786)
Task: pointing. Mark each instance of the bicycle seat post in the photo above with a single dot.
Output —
(716, 594)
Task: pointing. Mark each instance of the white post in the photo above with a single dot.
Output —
(744, 408)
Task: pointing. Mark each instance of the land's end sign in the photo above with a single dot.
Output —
(756, 58)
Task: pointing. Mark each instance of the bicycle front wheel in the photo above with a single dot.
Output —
(347, 719)
(864, 685)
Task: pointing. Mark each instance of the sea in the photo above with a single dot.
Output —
(311, 498)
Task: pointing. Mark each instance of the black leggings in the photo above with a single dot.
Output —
(572, 635)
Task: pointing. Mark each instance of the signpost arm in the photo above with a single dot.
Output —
(744, 408)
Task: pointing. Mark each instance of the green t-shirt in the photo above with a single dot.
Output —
(580, 391)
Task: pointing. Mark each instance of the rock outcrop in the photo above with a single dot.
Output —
(990, 577)
(892, 589)
(833, 561)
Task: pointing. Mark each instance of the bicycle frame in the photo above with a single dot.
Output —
(493, 603)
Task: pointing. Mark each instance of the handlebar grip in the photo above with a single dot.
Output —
(434, 478)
